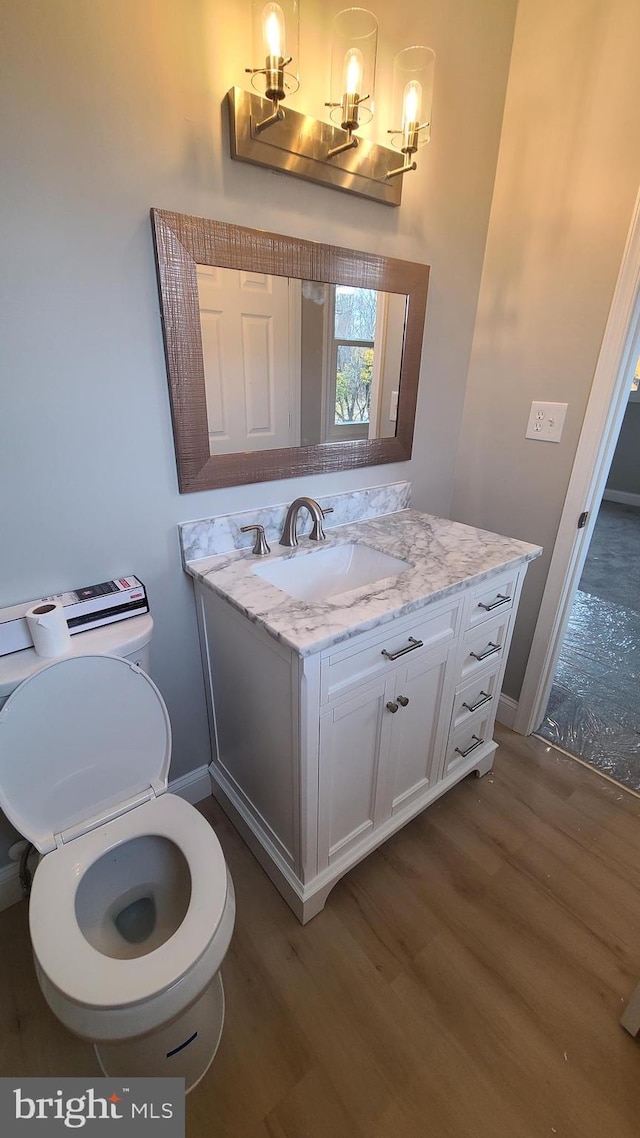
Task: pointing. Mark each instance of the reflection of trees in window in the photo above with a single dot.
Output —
(353, 383)
(355, 313)
(354, 334)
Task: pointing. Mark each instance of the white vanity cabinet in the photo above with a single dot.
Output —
(319, 758)
(381, 739)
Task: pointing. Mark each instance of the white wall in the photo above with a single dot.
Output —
(625, 467)
(566, 182)
(110, 107)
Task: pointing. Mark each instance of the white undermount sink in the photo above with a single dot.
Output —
(325, 572)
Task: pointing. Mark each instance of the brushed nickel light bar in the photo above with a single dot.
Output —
(263, 133)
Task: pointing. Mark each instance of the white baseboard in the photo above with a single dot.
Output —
(622, 496)
(193, 787)
(507, 709)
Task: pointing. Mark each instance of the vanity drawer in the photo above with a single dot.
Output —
(370, 656)
(492, 599)
(480, 693)
(465, 742)
(483, 647)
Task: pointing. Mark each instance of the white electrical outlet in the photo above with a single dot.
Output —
(393, 406)
(546, 421)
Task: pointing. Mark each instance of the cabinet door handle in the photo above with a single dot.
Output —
(481, 702)
(478, 743)
(490, 651)
(403, 700)
(392, 707)
(501, 600)
(411, 647)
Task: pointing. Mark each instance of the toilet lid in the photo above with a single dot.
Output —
(81, 741)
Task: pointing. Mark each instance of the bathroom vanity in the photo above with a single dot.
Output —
(336, 720)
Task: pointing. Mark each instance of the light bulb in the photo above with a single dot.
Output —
(411, 102)
(273, 30)
(353, 69)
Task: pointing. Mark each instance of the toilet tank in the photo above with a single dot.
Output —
(129, 638)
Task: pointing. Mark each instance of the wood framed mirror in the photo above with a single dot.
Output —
(325, 377)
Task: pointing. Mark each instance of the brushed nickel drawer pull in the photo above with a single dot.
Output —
(480, 703)
(478, 743)
(490, 651)
(392, 707)
(502, 600)
(411, 647)
(403, 700)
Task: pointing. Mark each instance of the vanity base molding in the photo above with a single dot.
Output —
(306, 901)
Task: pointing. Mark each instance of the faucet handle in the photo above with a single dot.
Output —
(317, 533)
(261, 546)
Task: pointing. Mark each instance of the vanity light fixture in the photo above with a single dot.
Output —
(273, 26)
(329, 153)
(413, 71)
(353, 71)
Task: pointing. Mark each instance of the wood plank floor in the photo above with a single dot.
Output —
(464, 981)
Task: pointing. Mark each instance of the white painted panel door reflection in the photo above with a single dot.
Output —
(248, 360)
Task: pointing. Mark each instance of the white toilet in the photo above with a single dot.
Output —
(132, 907)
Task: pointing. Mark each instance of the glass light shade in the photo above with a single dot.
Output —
(412, 95)
(354, 49)
(276, 36)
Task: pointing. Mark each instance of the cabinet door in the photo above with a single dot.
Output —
(423, 694)
(354, 747)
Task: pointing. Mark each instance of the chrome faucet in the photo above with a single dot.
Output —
(289, 529)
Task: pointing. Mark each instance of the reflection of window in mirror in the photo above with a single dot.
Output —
(352, 340)
(349, 361)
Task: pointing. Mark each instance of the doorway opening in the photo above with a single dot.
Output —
(607, 408)
(593, 710)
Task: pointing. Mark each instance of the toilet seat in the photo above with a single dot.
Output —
(81, 972)
(85, 746)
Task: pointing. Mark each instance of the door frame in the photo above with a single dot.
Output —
(602, 422)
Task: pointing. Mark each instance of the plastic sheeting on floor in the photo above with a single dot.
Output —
(594, 706)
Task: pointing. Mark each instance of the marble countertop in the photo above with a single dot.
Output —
(444, 558)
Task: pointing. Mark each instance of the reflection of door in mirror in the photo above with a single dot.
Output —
(250, 344)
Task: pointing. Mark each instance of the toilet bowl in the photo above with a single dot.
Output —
(132, 907)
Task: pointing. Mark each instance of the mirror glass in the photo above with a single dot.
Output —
(285, 357)
(292, 363)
